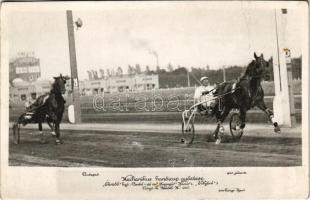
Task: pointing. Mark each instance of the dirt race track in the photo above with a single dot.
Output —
(126, 148)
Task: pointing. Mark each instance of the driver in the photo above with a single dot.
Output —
(204, 93)
(29, 105)
(30, 101)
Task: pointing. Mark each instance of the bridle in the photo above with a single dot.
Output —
(249, 78)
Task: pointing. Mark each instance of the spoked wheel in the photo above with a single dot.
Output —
(234, 126)
(16, 133)
(188, 133)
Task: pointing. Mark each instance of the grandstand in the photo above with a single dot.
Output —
(115, 84)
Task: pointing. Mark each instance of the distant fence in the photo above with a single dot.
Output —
(157, 105)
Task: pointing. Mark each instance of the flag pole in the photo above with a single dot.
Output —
(278, 51)
(73, 66)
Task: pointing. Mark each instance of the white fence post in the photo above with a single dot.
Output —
(281, 103)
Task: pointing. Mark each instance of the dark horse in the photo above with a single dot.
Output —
(47, 108)
(243, 95)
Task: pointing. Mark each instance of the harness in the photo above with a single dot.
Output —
(252, 97)
(40, 103)
(219, 97)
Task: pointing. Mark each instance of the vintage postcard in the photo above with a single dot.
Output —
(154, 99)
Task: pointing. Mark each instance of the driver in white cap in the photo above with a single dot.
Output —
(204, 93)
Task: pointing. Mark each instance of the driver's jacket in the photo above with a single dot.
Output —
(40, 101)
(202, 94)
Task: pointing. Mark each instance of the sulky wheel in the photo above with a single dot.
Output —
(234, 126)
(189, 134)
(16, 133)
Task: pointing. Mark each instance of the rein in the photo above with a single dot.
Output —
(215, 98)
(250, 78)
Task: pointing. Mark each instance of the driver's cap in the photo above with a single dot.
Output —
(203, 78)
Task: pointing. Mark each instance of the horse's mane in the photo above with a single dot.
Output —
(55, 88)
(246, 72)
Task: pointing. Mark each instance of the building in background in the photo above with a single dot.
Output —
(25, 81)
(21, 90)
(25, 67)
(124, 83)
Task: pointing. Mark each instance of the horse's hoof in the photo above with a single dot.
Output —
(218, 141)
(182, 141)
(221, 130)
(277, 129)
(58, 142)
(42, 141)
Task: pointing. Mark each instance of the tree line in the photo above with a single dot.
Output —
(180, 76)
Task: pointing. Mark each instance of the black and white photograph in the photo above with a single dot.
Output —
(155, 85)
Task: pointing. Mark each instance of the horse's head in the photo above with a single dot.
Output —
(258, 68)
(60, 84)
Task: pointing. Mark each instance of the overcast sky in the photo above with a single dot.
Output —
(196, 34)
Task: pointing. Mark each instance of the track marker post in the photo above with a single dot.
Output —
(283, 103)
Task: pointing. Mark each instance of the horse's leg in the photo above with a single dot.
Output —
(52, 128)
(220, 127)
(242, 118)
(57, 130)
(261, 105)
(216, 131)
(217, 114)
(42, 139)
(40, 128)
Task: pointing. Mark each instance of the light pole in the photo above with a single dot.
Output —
(73, 66)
